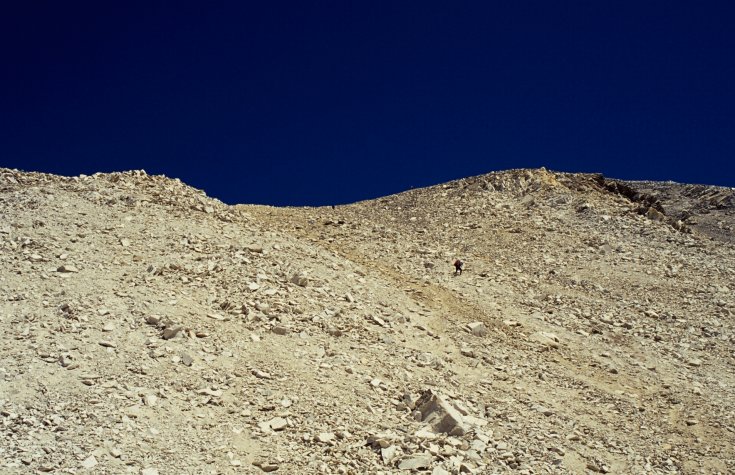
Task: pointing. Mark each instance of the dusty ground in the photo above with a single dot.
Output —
(146, 328)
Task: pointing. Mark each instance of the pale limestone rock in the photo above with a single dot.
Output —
(90, 462)
(388, 454)
(439, 414)
(414, 463)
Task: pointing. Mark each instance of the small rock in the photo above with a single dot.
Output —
(546, 339)
(474, 421)
(388, 454)
(153, 319)
(266, 466)
(108, 344)
(149, 471)
(279, 330)
(171, 332)
(477, 328)
(511, 323)
(594, 467)
(186, 360)
(425, 359)
(275, 424)
(478, 446)
(124, 242)
(325, 437)
(108, 327)
(211, 392)
(507, 456)
(557, 450)
(65, 361)
(299, 279)
(89, 462)
(468, 352)
(261, 374)
(425, 434)
(67, 269)
(695, 362)
(377, 320)
(413, 463)
(382, 440)
(150, 400)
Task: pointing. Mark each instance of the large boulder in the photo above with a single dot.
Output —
(439, 414)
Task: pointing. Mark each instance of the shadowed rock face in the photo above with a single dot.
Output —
(708, 210)
(148, 328)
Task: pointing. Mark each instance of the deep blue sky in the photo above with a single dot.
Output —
(330, 102)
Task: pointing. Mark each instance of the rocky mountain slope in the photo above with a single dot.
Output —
(147, 328)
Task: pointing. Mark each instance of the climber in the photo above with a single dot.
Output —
(458, 267)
